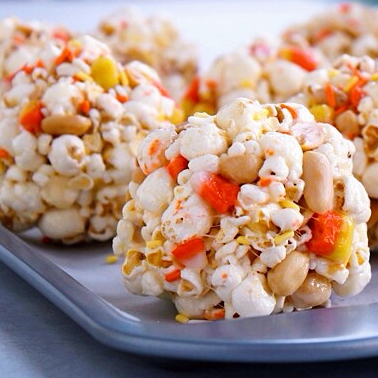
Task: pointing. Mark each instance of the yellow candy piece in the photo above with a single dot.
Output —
(350, 84)
(83, 76)
(343, 247)
(111, 259)
(281, 238)
(177, 116)
(285, 53)
(203, 107)
(181, 319)
(123, 78)
(104, 72)
(288, 204)
(154, 244)
(245, 83)
(260, 115)
(332, 73)
(242, 240)
(323, 113)
(75, 43)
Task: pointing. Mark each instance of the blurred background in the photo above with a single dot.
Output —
(216, 26)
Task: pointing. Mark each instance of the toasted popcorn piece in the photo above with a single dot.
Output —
(154, 40)
(224, 248)
(69, 134)
(348, 28)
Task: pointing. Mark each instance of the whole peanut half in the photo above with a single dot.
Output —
(66, 124)
(347, 123)
(309, 135)
(241, 168)
(374, 213)
(318, 178)
(286, 277)
(314, 291)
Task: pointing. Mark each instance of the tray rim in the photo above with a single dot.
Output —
(116, 329)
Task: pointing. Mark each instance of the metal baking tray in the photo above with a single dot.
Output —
(78, 281)
(91, 292)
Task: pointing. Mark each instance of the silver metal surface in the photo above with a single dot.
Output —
(79, 282)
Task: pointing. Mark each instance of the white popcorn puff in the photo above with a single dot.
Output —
(225, 279)
(152, 149)
(156, 191)
(285, 77)
(152, 283)
(226, 247)
(193, 141)
(62, 224)
(252, 297)
(273, 255)
(60, 98)
(9, 130)
(288, 219)
(354, 284)
(209, 163)
(111, 106)
(67, 154)
(196, 212)
(69, 134)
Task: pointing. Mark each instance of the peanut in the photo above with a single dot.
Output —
(66, 124)
(347, 123)
(309, 135)
(374, 213)
(317, 175)
(370, 180)
(138, 176)
(320, 96)
(241, 169)
(370, 135)
(286, 277)
(314, 291)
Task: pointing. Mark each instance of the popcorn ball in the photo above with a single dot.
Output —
(246, 213)
(153, 40)
(70, 126)
(265, 70)
(21, 43)
(346, 96)
(349, 28)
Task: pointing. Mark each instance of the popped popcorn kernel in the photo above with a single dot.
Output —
(69, 138)
(243, 245)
